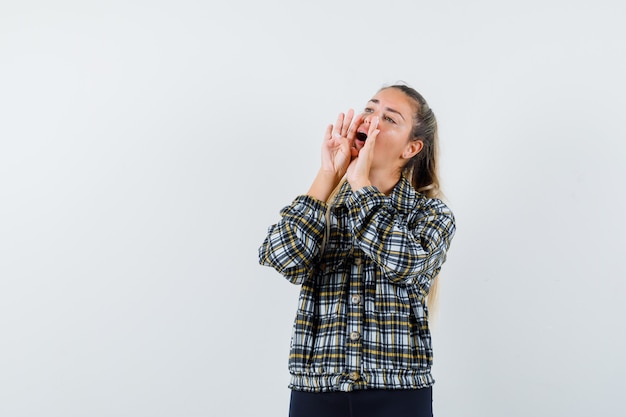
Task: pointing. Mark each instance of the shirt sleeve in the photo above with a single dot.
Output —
(292, 245)
(408, 252)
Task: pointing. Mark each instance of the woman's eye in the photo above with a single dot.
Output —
(367, 110)
(389, 119)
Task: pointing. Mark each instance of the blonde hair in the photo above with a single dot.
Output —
(423, 169)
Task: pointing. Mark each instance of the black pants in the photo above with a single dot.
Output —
(363, 403)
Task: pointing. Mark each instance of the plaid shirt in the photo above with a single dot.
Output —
(362, 320)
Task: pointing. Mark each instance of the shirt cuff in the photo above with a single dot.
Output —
(306, 205)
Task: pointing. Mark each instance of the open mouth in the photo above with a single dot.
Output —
(361, 136)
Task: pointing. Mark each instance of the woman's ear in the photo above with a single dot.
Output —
(413, 148)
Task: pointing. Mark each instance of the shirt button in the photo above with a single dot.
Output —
(354, 336)
(354, 376)
(356, 299)
(357, 261)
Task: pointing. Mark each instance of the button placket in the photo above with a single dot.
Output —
(355, 322)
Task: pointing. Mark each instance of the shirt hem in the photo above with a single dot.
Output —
(379, 379)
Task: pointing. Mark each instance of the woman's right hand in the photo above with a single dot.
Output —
(338, 145)
(337, 152)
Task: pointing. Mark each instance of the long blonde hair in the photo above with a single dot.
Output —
(423, 169)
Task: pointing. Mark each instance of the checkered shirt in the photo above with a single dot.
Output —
(362, 320)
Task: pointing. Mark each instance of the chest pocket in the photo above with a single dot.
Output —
(392, 299)
(334, 258)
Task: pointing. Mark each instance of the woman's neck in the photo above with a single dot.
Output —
(385, 180)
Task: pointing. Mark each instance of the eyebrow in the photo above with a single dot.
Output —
(389, 109)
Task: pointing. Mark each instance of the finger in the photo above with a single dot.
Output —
(329, 133)
(372, 134)
(373, 126)
(346, 122)
(371, 139)
(337, 126)
(358, 120)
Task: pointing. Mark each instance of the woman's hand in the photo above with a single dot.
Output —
(359, 169)
(337, 152)
(338, 145)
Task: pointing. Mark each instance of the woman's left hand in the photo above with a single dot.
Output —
(358, 173)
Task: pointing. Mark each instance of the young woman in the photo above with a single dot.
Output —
(366, 243)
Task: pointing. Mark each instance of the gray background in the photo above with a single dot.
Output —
(145, 147)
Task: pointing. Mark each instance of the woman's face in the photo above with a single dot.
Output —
(394, 110)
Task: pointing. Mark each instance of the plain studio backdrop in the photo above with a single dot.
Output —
(146, 146)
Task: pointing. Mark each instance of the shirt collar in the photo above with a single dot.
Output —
(403, 196)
